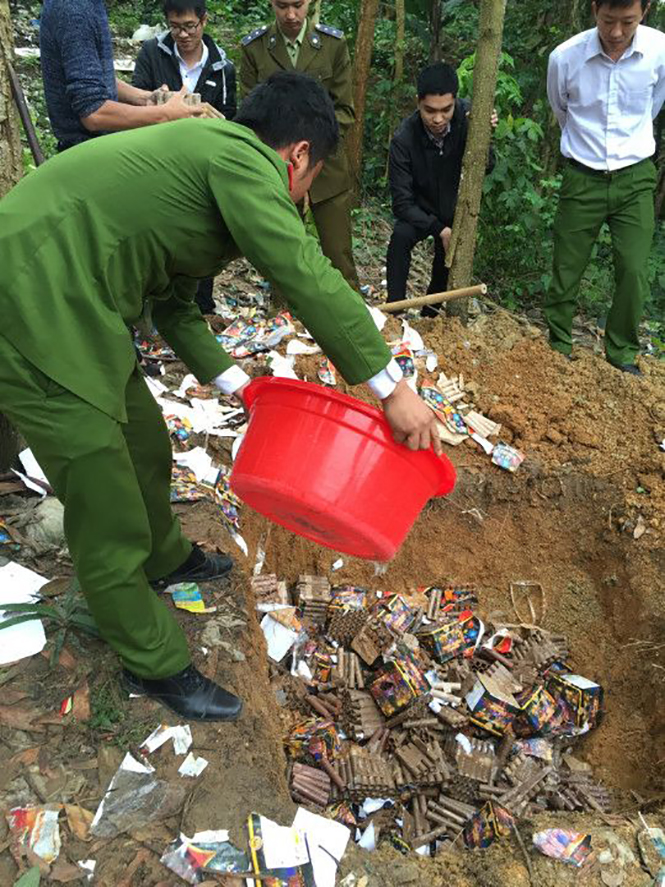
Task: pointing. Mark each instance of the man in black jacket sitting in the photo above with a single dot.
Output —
(425, 167)
(186, 56)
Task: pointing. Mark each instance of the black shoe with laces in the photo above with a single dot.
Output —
(199, 567)
(189, 694)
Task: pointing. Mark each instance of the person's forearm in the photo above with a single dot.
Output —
(131, 95)
(116, 116)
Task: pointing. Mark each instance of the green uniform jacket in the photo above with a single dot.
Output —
(91, 235)
(323, 55)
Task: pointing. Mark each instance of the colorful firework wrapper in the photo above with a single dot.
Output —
(184, 486)
(153, 350)
(445, 411)
(187, 596)
(564, 845)
(399, 682)
(457, 596)
(279, 855)
(322, 667)
(347, 597)
(404, 357)
(507, 457)
(538, 709)
(583, 697)
(494, 708)
(315, 736)
(180, 429)
(326, 372)
(395, 613)
(491, 822)
(6, 536)
(209, 851)
(443, 642)
(343, 813)
(38, 829)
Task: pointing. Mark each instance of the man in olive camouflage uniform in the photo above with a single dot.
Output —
(293, 42)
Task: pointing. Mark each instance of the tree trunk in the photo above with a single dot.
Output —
(435, 32)
(361, 64)
(10, 173)
(463, 241)
(400, 22)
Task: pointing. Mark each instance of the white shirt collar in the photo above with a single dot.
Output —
(595, 47)
(202, 61)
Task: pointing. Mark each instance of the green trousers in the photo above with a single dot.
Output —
(625, 200)
(114, 482)
(332, 218)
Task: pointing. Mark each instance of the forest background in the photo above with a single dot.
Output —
(513, 254)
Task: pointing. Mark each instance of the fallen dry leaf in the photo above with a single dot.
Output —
(81, 703)
(141, 857)
(64, 872)
(55, 587)
(12, 696)
(27, 757)
(65, 659)
(640, 528)
(20, 718)
(79, 820)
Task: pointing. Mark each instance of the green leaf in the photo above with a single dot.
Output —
(29, 879)
(37, 609)
(17, 620)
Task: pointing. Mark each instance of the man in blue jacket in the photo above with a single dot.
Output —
(84, 98)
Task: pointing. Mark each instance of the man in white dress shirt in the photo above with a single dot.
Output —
(606, 86)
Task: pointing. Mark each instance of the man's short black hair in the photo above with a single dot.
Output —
(438, 79)
(182, 6)
(625, 3)
(291, 107)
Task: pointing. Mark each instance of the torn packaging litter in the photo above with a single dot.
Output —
(36, 828)
(181, 736)
(135, 797)
(564, 845)
(19, 585)
(209, 851)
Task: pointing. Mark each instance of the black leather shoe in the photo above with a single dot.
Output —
(631, 368)
(189, 694)
(199, 567)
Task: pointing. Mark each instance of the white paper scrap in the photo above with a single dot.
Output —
(412, 337)
(192, 766)
(283, 846)
(431, 362)
(190, 381)
(371, 805)
(662, 445)
(339, 563)
(326, 840)
(156, 387)
(88, 866)
(198, 461)
(465, 742)
(368, 840)
(282, 367)
(180, 735)
(31, 472)
(278, 637)
(19, 585)
(295, 347)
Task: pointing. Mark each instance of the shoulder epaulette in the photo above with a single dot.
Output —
(331, 32)
(257, 32)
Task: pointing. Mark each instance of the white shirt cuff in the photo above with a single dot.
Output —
(385, 382)
(230, 380)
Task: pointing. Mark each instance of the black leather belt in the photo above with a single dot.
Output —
(601, 173)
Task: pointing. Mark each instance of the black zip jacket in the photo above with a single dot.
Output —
(157, 64)
(423, 180)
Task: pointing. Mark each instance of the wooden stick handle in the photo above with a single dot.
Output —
(434, 298)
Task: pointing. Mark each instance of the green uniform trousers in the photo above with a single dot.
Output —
(114, 482)
(332, 218)
(625, 200)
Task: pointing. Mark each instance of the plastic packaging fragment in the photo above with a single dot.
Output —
(279, 853)
(507, 457)
(326, 372)
(488, 824)
(563, 844)
(36, 828)
(187, 596)
(209, 851)
(134, 798)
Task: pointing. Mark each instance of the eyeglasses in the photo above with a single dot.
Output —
(187, 28)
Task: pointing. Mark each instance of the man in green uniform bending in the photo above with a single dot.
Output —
(125, 226)
(293, 42)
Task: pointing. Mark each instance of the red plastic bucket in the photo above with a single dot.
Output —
(325, 466)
